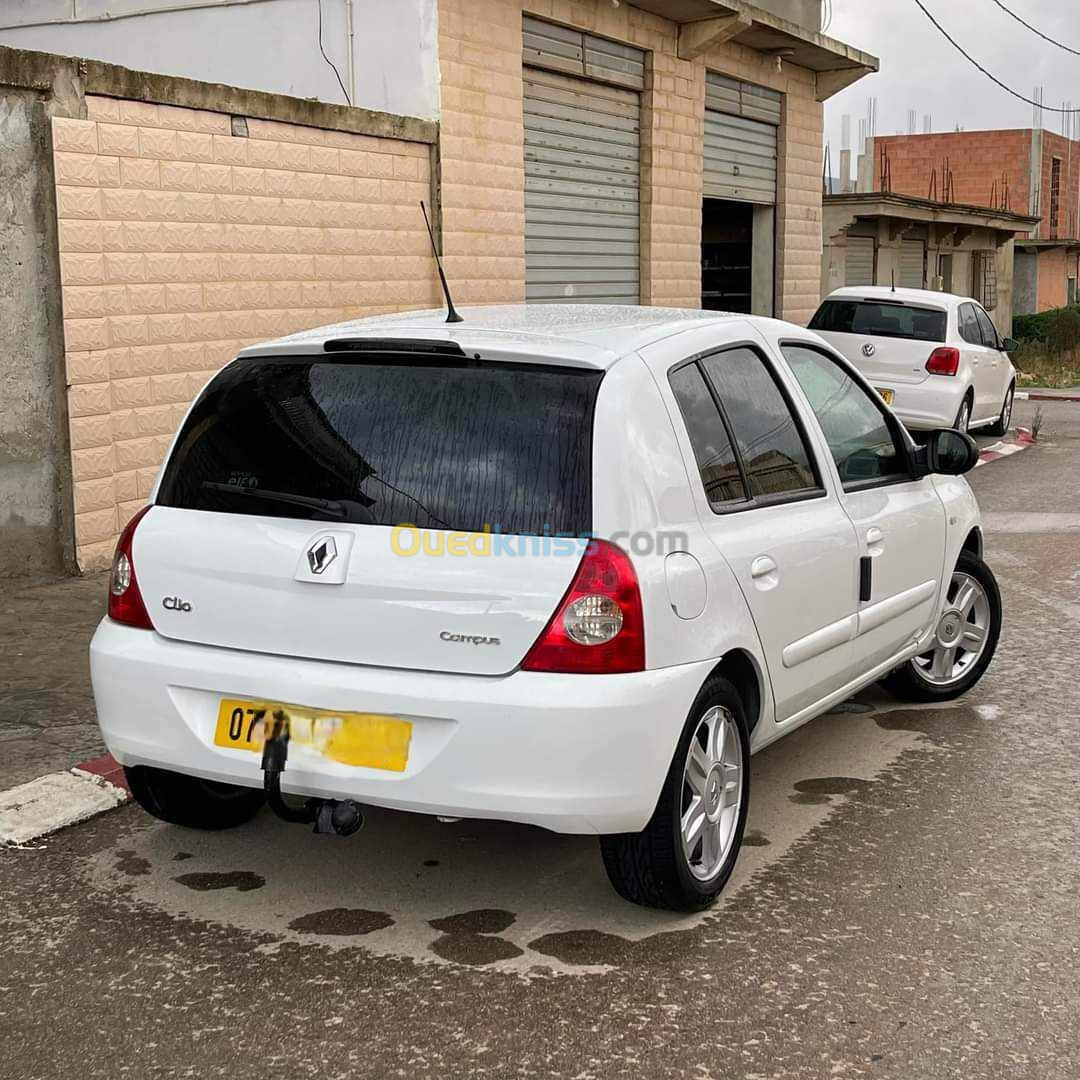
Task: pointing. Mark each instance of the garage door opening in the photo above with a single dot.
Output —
(737, 251)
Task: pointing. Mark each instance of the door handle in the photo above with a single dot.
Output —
(762, 566)
(874, 535)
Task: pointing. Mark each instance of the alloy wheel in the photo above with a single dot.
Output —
(713, 785)
(961, 635)
(963, 418)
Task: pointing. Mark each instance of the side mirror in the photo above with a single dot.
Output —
(951, 453)
(1010, 345)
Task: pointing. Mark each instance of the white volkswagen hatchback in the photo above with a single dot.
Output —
(936, 358)
(564, 565)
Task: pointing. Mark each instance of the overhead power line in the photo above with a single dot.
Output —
(1035, 30)
(990, 75)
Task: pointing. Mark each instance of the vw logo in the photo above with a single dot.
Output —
(869, 349)
(321, 554)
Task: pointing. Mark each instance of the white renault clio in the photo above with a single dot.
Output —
(561, 565)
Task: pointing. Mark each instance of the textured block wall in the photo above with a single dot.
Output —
(181, 243)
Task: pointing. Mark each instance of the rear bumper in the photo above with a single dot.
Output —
(932, 403)
(574, 754)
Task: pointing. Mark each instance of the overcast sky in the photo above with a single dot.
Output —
(920, 70)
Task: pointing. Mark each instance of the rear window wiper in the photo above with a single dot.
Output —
(333, 507)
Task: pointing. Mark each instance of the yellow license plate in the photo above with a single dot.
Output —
(886, 395)
(352, 738)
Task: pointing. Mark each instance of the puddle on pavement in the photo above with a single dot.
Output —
(342, 922)
(485, 894)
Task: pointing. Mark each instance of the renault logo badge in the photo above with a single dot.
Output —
(321, 554)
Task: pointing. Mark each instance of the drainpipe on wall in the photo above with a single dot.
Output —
(349, 31)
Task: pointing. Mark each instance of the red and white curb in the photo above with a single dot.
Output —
(59, 799)
(1034, 395)
(1006, 447)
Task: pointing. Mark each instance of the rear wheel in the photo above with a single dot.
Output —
(1001, 426)
(192, 801)
(964, 641)
(963, 417)
(684, 856)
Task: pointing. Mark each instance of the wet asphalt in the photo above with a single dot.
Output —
(907, 905)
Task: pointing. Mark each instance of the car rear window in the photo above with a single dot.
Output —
(445, 444)
(870, 318)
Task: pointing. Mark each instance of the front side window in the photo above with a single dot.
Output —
(987, 332)
(969, 325)
(861, 441)
(713, 451)
(774, 453)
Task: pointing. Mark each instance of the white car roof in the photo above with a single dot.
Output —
(592, 335)
(925, 297)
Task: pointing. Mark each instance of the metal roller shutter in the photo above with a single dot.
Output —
(860, 261)
(582, 198)
(912, 264)
(740, 152)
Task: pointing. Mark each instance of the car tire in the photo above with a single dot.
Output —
(917, 680)
(192, 801)
(657, 867)
(963, 415)
(1001, 425)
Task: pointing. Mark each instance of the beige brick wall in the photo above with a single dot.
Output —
(483, 166)
(180, 244)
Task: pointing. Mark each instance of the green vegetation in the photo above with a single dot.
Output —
(1049, 353)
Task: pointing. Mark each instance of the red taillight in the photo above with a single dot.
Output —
(125, 601)
(943, 361)
(598, 629)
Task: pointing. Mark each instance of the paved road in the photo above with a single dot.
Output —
(909, 904)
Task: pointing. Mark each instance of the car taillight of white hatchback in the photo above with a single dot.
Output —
(598, 628)
(125, 600)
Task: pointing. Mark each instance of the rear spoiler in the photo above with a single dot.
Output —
(424, 346)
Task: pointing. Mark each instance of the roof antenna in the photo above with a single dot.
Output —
(893, 279)
(451, 313)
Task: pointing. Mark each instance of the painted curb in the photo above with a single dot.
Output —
(1028, 395)
(1023, 441)
(57, 800)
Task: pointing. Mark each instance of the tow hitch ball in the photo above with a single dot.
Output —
(331, 817)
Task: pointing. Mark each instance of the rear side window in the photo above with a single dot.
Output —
(441, 445)
(748, 444)
(773, 451)
(869, 318)
(712, 447)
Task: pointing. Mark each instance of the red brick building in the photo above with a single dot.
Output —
(1027, 171)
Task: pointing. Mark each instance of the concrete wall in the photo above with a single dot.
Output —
(181, 243)
(482, 164)
(35, 476)
(1025, 283)
(271, 45)
(807, 13)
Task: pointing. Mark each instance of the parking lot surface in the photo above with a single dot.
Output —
(908, 903)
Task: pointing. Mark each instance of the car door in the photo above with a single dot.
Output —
(764, 502)
(898, 517)
(988, 404)
(979, 359)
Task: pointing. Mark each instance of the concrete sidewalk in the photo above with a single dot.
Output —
(47, 720)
